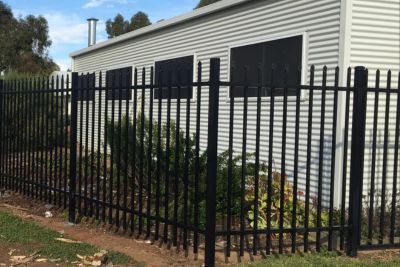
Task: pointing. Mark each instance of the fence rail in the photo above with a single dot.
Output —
(281, 168)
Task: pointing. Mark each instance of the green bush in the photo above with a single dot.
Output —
(124, 158)
(123, 150)
(27, 111)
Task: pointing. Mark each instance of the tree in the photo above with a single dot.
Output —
(139, 20)
(7, 30)
(5, 12)
(25, 43)
(119, 25)
(203, 3)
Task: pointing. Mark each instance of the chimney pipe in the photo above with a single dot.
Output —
(92, 23)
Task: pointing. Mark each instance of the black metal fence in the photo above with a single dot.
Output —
(201, 170)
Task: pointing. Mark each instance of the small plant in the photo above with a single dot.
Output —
(288, 202)
(375, 234)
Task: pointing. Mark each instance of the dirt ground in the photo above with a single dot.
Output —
(157, 255)
(106, 237)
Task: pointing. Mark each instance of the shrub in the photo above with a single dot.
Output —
(29, 111)
(125, 150)
(118, 130)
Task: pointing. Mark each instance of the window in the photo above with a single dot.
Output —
(86, 85)
(182, 67)
(118, 78)
(279, 54)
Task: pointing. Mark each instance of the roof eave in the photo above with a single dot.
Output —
(161, 25)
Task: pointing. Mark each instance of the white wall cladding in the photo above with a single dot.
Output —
(375, 43)
(211, 36)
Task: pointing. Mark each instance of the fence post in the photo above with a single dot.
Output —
(1, 132)
(357, 160)
(212, 150)
(73, 152)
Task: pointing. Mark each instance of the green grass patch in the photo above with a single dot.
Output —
(323, 259)
(14, 230)
(35, 238)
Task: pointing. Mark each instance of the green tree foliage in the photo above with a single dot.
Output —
(139, 20)
(203, 3)
(119, 25)
(24, 43)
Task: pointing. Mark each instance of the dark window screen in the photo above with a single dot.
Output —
(176, 67)
(86, 85)
(276, 54)
(118, 79)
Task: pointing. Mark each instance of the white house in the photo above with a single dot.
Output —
(343, 33)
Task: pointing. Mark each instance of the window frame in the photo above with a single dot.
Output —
(91, 91)
(175, 56)
(132, 78)
(304, 65)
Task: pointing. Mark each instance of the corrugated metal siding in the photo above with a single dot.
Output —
(375, 43)
(211, 36)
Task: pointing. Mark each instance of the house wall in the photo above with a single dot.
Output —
(211, 36)
(373, 40)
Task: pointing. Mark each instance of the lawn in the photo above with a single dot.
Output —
(329, 259)
(15, 232)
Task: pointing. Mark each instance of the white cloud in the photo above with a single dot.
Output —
(66, 29)
(71, 29)
(69, 33)
(19, 13)
(63, 63)
(97, 3)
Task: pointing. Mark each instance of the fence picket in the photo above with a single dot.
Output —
(147, 163)
(73, 148)
(2, 137)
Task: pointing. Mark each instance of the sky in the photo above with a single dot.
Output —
(67, 19)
